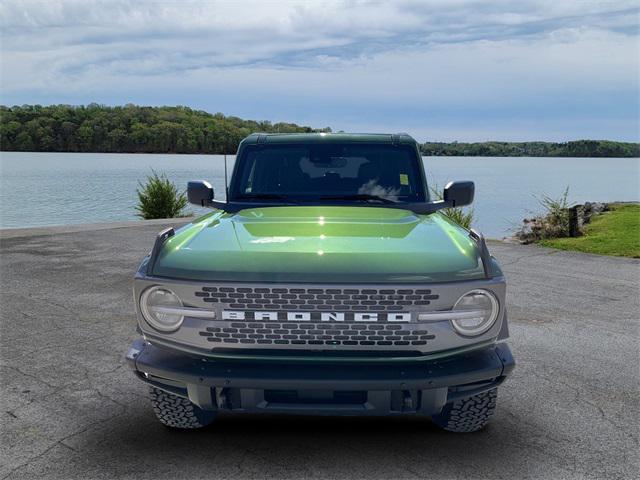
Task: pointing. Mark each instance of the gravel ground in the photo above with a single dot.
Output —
(71, 409)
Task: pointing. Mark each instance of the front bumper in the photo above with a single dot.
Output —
(333, 389)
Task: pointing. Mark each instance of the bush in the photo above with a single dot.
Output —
(557, 214)
(553, 223)
(159, 198)
(459, 215)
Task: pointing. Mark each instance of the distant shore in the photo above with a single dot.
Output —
(233, 154)
(137, 129)
(576, 149)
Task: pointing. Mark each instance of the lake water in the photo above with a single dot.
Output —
(38, 189)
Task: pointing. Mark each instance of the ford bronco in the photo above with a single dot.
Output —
(327, 282)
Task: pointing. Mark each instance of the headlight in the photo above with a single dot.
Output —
(160, 308)
(482, 307)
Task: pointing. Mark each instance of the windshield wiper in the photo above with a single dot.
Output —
(359, 196)
(261, 196)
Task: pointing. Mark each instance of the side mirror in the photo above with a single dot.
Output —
(199, 193)
(459, 194)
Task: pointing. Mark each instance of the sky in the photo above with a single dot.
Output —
(441, 70)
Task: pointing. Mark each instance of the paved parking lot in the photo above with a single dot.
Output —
(71, 409)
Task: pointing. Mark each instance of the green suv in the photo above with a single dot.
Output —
(327, 283)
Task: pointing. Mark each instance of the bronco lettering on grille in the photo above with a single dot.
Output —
(316, 316)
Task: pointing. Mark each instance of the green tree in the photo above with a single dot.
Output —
(132, 128)
(159, 198)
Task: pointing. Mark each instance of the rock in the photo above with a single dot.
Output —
(590, 209)
(547, 226)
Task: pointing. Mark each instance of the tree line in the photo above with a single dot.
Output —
(578, 148)
(137, 129)
(127, 129)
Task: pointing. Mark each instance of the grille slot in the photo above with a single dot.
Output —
(329, 334)
(316, 299)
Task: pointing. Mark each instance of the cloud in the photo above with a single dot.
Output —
(445, 66)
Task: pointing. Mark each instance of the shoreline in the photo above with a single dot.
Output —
(44, 230)
(233, 154)
(6, 233)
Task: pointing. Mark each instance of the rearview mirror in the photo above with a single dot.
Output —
(199, 192)
(459, 194)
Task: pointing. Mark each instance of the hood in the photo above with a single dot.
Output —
(335, 244)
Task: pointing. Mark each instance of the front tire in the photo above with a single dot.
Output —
(178, 412)
(468, 414)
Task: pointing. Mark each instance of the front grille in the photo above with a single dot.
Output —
(310, 299)
(281, 334)
(282, 317)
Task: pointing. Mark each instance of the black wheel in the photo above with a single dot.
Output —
(177, 412)
(468, 414)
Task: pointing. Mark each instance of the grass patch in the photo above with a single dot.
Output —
(616, 232)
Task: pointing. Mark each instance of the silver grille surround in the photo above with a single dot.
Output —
(420, 337)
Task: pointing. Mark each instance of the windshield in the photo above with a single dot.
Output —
(356, 172)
